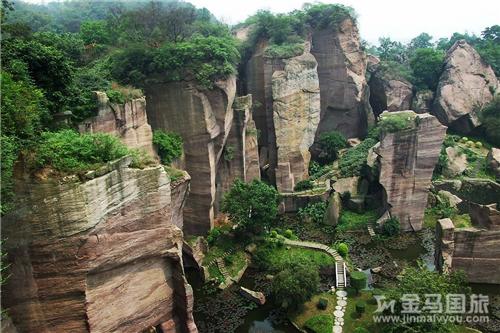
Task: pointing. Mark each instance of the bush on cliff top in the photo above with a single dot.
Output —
(70, 152)
(395, 122)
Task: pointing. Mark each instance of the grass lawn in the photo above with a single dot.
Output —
(239, 261)
(280, 257)
(350, 220)
(309, 309)
(352, 319)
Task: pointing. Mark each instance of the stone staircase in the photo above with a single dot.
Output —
(371, 227)
(222, 268)
(340, 272)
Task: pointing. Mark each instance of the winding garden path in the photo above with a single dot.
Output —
(340, 270)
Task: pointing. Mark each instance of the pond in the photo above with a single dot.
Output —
(226, 311)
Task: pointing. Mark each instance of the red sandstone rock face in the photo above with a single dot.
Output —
(96, 256)
(341, 71)
(127, 121)
(203, 118)
(407, 160)
(465, 86)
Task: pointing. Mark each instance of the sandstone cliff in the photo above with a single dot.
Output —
(407, 159)
(101, 254)
(203, 118)
(127, 121)
(240, 158)
(388, 93)
(465, 86)
(341, 70)
(296, 115)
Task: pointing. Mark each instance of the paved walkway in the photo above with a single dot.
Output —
(339, 312)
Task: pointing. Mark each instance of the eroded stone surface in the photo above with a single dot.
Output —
(465, 86)
(341, 71)
(296, 107)
(98, 255)
(407, 160)
(127, 121)
(203, 118)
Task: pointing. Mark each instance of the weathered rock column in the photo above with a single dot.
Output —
(407, 160)
(203, 118)
(341, 70)
(296, 109)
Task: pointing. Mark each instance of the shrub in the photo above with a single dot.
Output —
(322, 304)
(294, 285)
(284, 50)
(360, 307)
(391, 227)
(319, 324)
(314, 211)
(353, 161)
(358, 280)
(169, 145)
(288, 233)
(229, 260)
(316, 170)
(303, 185)
(343, 249)
(396, 122)
(69, 151)
(470, 144)
(274, 234)
(173, 173)
(330, 144)
(478, 144)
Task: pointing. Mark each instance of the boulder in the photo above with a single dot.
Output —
(333, 209)
(254, 296)
(296, 115)
(389, 93)
(447, 197)
(349, 184)
(456, 162)
(341, 61)
(407, 161)
(478, 190)
(465, 86)
(485, 216)
(494, 161)
(422, 102)
(96, 255)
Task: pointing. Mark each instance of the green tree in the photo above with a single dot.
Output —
(390, 50)
(421, 281)
(251, 205)
(295, 285)
(427, 66)
(330, 144)
(95, 32)
(422, 41)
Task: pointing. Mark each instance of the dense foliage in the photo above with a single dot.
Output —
(169, 145)
(422, 282)
(354, 159)
(295, 285)
(427, 66)
(69, 151)
(251, 205)
(391, 227)
(330, 143)
(303, 185)
(314, 211)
